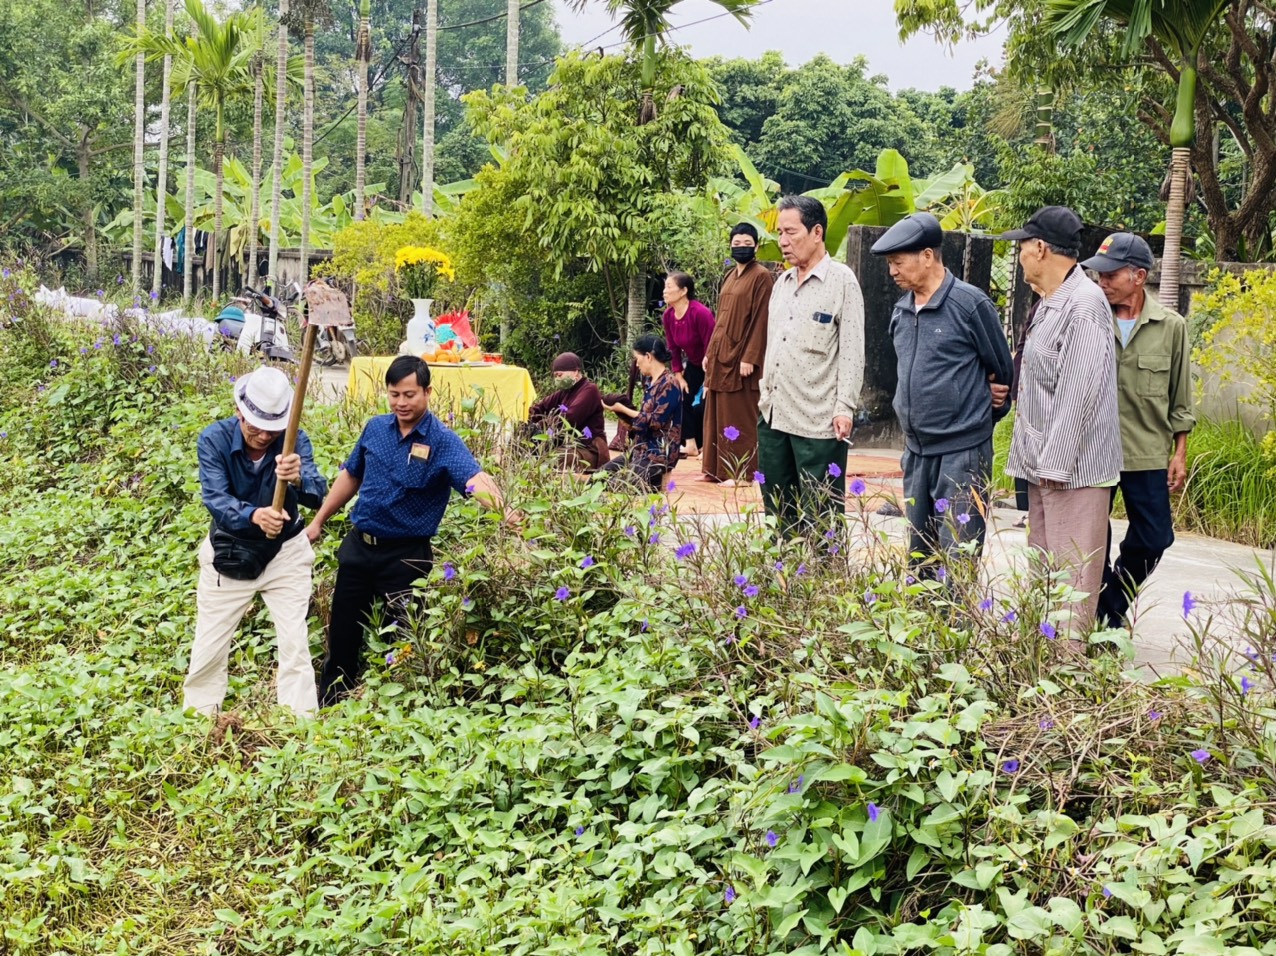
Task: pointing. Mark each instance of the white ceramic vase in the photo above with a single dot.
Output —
(420, 326)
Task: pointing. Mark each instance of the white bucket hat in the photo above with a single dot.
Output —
(264, 398)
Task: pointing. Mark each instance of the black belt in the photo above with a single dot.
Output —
(373, 541)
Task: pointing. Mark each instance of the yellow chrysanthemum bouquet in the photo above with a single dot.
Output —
(419, 268)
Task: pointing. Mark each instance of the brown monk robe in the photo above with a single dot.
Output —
(738, 345)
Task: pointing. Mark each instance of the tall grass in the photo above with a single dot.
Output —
(1231, 488)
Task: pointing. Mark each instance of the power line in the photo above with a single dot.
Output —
(498, 16)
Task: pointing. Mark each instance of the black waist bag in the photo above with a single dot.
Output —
(241, 558)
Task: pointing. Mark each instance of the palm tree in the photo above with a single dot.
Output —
(1181, 28)
(306, 13)
(643, 23)
(188, 227)
(139, 152)
(161, 188)
(216, 58)
(363, 54)
(427, 140)
(281, 103)
(257, 67)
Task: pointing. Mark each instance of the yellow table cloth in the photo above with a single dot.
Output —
(506, 390)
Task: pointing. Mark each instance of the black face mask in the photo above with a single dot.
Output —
(743, 254)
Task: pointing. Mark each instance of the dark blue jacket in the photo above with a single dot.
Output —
(945, 352)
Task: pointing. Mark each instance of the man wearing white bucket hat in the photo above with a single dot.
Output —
(251, 548)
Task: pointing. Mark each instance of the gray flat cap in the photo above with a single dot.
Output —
(913, 233)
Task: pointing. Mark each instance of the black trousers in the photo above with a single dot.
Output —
(693, 415)
(1151, 532)
(366, 573)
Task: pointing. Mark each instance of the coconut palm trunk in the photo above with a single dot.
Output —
(427, 140)
(161, 187)
(254, 215)
(281, 103)
(635, 306)
(139, 153)
(219, 154)
(511, 43)
(363, 53)
(307, 147)
(188, 233)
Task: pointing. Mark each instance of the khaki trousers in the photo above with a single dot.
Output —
(1071, 525)
(221, 602)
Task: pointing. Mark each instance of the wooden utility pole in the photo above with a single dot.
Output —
(511, 43)
(406, 151)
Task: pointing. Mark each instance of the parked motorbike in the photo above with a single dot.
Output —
(336, 343)
(254, 322)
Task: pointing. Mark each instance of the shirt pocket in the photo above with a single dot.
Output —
(816, 336)
(1045, 369)
(1154, 376)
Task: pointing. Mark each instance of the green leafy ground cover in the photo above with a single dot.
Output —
(583, 743)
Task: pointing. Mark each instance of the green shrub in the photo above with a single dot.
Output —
(583, 743)
(1231, 488)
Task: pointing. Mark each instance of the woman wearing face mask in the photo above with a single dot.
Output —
(733, 364)
(688, 327)
(654, 430)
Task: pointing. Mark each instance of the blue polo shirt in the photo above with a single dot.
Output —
(404, 490)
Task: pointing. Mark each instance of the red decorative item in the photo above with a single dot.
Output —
(460, 322)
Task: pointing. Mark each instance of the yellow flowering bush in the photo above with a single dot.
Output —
(418, 267)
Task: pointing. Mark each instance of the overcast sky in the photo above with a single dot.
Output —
(802, 28)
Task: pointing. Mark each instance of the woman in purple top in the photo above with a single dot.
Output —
(688, 326)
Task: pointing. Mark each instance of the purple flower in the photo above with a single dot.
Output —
(759, 478)
(874, 811)
(870, 597)
(941, 505)
(115, 339)
(685, 551)
(779, 565)
(963, 519)
(1046, 724)
(671, 486)
(467, 603)
(941, 575)
(7, 273)
(771, 838)
(643, 628)
(740, 580)
(858, 487)
(1048, 631)
(985, 604)
(150, 349)
(801, 570)
(588, 433)
(730, 433)
(1200, 756)
(1010, 617)
(53, 364)
(751, 591)
(1010, 766)
(742, 612)
(563, 593)
(151, 369)
(655, 538)
(1246, 685)
(1154, 715)
(562, 409)
(389, 659)
(729, 895)
(580, 831)
(154, 296)
(834, 549)
(119, 280)
(84, 350)
(834, 470)
(1189, 603)
(909, 579)
(101, 293)
(630, 531)
(586, 562)
(796, 785)
(830, 535)
(449, 572)
(755, 723)
(1107, 893)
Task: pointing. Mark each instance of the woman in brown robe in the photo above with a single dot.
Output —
(733, 364)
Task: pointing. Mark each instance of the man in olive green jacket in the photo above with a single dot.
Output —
(1154, 395)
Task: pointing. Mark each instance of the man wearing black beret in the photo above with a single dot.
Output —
(949, 345)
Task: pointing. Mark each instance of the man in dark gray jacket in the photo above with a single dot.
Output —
(949, 346)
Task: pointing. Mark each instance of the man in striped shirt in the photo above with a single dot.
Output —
(1067, 437)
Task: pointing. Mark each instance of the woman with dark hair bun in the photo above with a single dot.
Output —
(655, 431)
(688, 327)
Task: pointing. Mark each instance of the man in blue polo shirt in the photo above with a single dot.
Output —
(949, 345)
(404, 469)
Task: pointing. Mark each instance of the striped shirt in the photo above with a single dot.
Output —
(814, 363)
(1067, 428)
